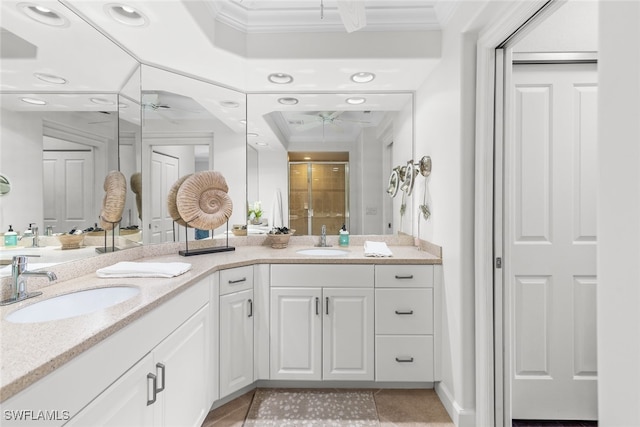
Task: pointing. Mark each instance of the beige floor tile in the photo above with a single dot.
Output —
(411, 408)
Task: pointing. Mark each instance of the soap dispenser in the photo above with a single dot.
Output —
(10, 237)
(344, 236)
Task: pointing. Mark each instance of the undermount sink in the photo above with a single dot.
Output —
(322, 251)
(73, 304)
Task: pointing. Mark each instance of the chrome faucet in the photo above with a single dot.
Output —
(323, 236)
(36, 243)
(19, 275)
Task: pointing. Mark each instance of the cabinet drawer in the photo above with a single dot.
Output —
(236, 279)
(322, 275)
(404, 311)
(404, 358)
(404, 276)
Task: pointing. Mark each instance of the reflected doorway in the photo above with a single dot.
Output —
(318, 193)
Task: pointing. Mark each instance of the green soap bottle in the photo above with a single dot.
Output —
(10, 237)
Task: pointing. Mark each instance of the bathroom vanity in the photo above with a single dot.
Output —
(255, 316)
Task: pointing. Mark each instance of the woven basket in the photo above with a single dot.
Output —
(71, 241)
(279, 241)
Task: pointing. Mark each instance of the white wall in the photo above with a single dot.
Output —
(445, 131)
(554, 35)
(274, 174)
(619, 215)
(21, 162)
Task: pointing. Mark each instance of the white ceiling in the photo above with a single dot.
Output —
(237, 43)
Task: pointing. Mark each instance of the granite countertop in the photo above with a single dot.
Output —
(31, 351)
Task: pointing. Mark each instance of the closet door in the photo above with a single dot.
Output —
(550, 234)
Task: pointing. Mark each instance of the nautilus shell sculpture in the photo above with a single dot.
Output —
(115, 192)
(203, 202)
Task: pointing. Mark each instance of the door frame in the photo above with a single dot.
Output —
(512, 25)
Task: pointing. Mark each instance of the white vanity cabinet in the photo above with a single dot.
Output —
(111, 383)
(154, 391)
(405, 319)
(236, 329)
(322, 322)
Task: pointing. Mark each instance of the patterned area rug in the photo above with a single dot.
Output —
(278, 407)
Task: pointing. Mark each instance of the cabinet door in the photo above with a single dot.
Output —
(348, 334)
(296, 324)
(183, 366)
(236, 341)
(125, 403)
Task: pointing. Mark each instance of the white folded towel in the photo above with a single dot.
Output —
(144, 269)
(376, 249)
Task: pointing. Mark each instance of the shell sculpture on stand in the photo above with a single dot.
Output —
(115, 188)
(203, 202)
(172, 206)
(136, 186)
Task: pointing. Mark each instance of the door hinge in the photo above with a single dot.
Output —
(498, 262)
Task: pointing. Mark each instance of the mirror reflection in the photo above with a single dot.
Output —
(189, 126)
(324, 159)
(59, 133)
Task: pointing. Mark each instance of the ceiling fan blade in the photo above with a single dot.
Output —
(353, 14)
(332, 116)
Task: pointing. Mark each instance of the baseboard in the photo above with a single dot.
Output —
(460, 417)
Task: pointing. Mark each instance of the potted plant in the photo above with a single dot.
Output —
(278, 237)
(255, 212)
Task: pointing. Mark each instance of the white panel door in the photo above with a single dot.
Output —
(296, 333)
(236, 341)
(68, 190)
(183, 370)
(550, 237)
(127, 402)
(348, 334)
(164, 172)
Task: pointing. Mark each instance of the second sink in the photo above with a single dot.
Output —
(322, 251)
(73, 304)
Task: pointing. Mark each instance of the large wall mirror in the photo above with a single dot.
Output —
(69, 114)
(325, 159)
(189, 126)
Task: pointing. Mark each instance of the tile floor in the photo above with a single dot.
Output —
(533, 423)
(406, 408)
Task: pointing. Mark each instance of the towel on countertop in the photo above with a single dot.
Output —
(376, 249)
(144, 269)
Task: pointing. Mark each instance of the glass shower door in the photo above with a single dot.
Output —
(318, 195)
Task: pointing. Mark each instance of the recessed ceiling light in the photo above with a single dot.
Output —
(243, 121)
(356, 100)
(262, 144)
(363, 77)
(229, 104)
(34, 101)
(288, 101)
(280, 78)
(253, 134)
(43, 15)
(126, 15)
(306, 158)
(101, 101)
(50, 78)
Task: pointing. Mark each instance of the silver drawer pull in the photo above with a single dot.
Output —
(409, 276)
(404, 313)
(233, 282)
(154, 388)
(404, 359)
(161, 367)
